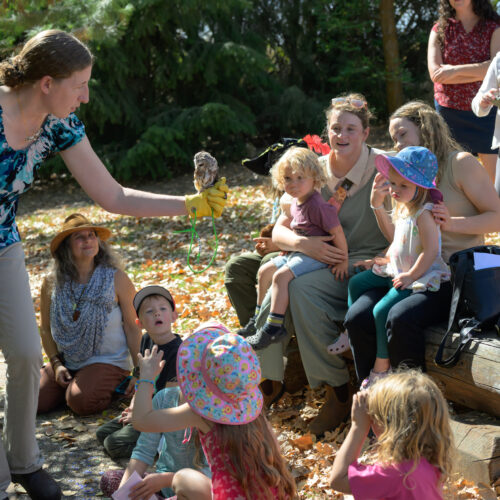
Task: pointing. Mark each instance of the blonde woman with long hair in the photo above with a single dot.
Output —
(470, 209)
(412, 456)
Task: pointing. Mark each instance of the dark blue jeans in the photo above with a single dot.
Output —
(405, 326)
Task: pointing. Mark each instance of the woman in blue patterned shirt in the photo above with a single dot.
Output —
(41, 89)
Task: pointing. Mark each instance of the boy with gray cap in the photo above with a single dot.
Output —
(155, 309)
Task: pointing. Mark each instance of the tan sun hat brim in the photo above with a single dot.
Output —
(102, 232)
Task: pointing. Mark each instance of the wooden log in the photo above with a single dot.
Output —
(474, 381)
(477, 442)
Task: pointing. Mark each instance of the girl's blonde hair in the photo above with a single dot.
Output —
(256, 460)
(413, 415)
(435, 134)
(298, 160)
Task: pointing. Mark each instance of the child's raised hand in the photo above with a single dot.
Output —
(359, 411)
(151, 363)
(402, 280)
(380, 189)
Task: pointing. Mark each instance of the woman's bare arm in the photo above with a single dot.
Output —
(474, 181)
(440, 72)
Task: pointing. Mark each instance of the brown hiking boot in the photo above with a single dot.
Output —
(272, 390)
(332, 413)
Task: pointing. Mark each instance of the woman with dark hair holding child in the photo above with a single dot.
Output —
(41, 89)
(88, 326)
(461, 46)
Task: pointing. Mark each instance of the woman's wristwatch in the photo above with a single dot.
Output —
(135, 372)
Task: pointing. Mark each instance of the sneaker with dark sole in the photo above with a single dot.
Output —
(263, 339)
(249, 329)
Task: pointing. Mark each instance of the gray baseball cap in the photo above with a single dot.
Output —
(152, 290)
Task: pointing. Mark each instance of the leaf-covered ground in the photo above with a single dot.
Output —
(156, 254)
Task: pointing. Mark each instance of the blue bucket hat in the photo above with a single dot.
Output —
(416, 164)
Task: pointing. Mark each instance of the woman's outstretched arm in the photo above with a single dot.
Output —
(99, 184)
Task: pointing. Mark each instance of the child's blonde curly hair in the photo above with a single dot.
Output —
(298, 160)
(412, 415)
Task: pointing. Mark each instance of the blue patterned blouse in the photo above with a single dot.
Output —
(17, 167)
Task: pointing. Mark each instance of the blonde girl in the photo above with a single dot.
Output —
(218, 375)
(298, 173)
(413, 262)
(413, 453)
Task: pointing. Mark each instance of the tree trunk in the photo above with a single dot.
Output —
(393, 85)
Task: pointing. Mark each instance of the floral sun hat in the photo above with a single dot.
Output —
(414, 163)
(219, 376)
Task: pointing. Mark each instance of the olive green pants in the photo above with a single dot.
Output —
(241, 279)
(318, 303)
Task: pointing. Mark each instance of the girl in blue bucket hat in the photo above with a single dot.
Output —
(413, 261)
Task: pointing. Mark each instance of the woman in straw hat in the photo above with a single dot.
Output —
(41, 88)
(88, 324)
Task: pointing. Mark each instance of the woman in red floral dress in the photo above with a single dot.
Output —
(461, 46)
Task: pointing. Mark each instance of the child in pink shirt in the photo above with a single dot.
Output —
(412, 455)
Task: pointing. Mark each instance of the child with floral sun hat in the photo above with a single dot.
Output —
(219, 376)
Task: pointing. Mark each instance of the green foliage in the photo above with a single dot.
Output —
(173, 77)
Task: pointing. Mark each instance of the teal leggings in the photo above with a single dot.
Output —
(366, 280)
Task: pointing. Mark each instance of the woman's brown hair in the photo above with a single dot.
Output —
(52, 53)
(64, 268)
(482, 8)
(345, 103)
(434, 133)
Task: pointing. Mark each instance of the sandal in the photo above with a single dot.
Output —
(373, 377)
(340, 345)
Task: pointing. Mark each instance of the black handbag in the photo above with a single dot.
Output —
(475, 302)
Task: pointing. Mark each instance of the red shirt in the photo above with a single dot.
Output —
(461, 47)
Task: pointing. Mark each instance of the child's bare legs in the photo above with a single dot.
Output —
(189, 484)
(279, 290)
(273, 331)
(264, 279)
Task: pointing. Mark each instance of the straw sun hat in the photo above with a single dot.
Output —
(73, 223)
